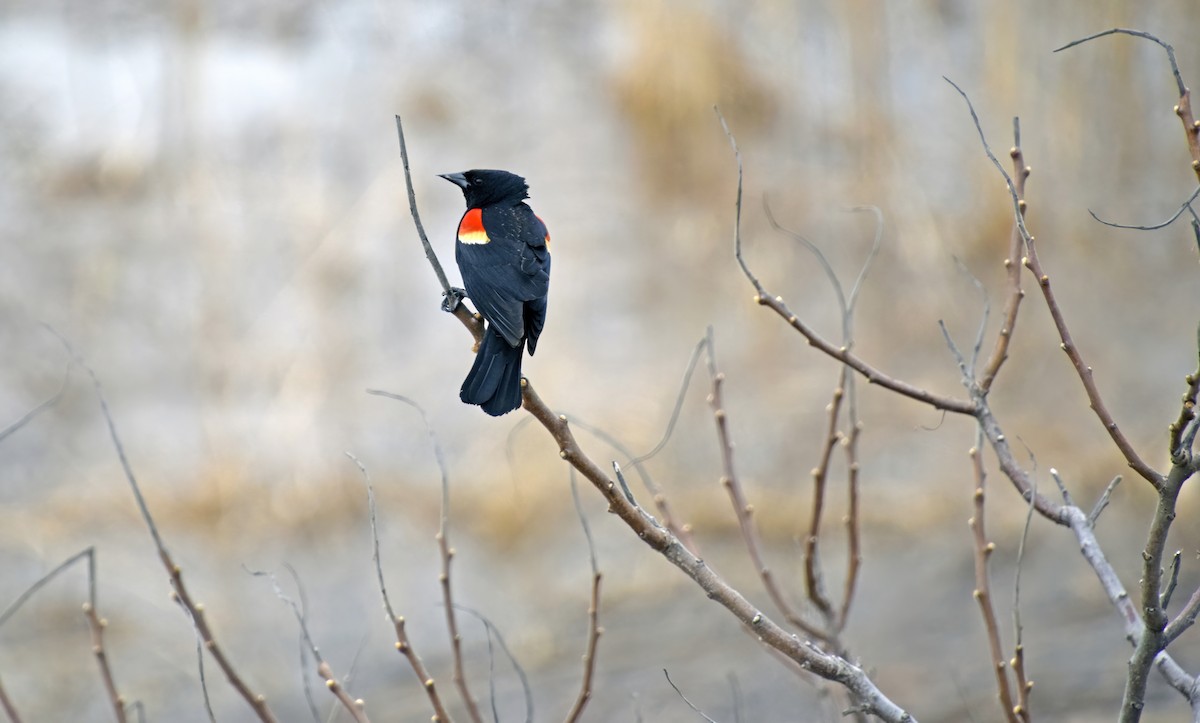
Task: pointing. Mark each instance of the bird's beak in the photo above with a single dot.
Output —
(457, 179)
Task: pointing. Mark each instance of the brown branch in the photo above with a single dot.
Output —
(982, 593)
(9, 709)
(354, 707)
(460, 678)
(1085, 372)
(1012, 303)
(403, 645)
(447, 554)
(96, 625)
(1185, 619)
(1154, 639)
(813, 584)
(1184, 108)
(1187, 413)
(743, 510)
(179, 592)
(1023, 684)
(841, 353)
(453, 304)
(854, 554)
(594, 629)
(1068, 345)
(1131, 619)
(661, 503)
(825, 665)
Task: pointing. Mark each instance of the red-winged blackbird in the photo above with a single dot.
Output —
(504, 257)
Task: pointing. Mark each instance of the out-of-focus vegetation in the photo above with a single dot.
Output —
(206, 198)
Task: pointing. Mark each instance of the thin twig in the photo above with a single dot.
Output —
(1172, 580)
(854, 554)
(1023, 684)
(744, 510)
(473, 321)
(1140, 34)
(684, 698)
(494, 631)
(96, 624)
(1187, 414)
(403, 645)
(813, 584)
(658, 496)
(1068, 345)
(443, 540)
(194, 610)
(47, 403)
(1012, 302)
(1185, 619)
(1152, 227)
(840, 353)
(354, 707)
(983, 595)
(594, 629)
(1101, 503)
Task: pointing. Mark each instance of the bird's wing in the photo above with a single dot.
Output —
(509, 268)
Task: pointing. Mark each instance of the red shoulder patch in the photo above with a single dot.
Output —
(545, 227)
(470, 229)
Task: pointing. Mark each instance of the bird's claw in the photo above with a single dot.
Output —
(453, 298)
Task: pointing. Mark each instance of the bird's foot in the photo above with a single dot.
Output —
(452, 298)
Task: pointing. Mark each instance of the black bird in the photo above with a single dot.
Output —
(503, 253)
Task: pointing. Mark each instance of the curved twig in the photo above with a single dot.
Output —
(1152, 227)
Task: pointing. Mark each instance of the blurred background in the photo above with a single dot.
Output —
(207, 199)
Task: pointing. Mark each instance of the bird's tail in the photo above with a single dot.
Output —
(494, 381)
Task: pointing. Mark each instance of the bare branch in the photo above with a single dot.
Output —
(1101, 503)
(194, 610)
(1140, 34)
(1152, 227)
(354, 707)
(402, 642)
(825, 665)
(1172, 581)
(1068, 345)
(473, 322)
(661, 504)
(1023, 684)
(493, 631)
(983, 595)
(443, 541)
(684, 698)
(47, 403)
(830, 667)
(594, 629)
(841, 353)
(1012, 303)
(1185, 620)
(744, 511)
(96, 624)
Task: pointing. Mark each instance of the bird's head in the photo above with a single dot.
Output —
(488, 187)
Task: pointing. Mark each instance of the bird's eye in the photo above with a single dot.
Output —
(476, 181)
